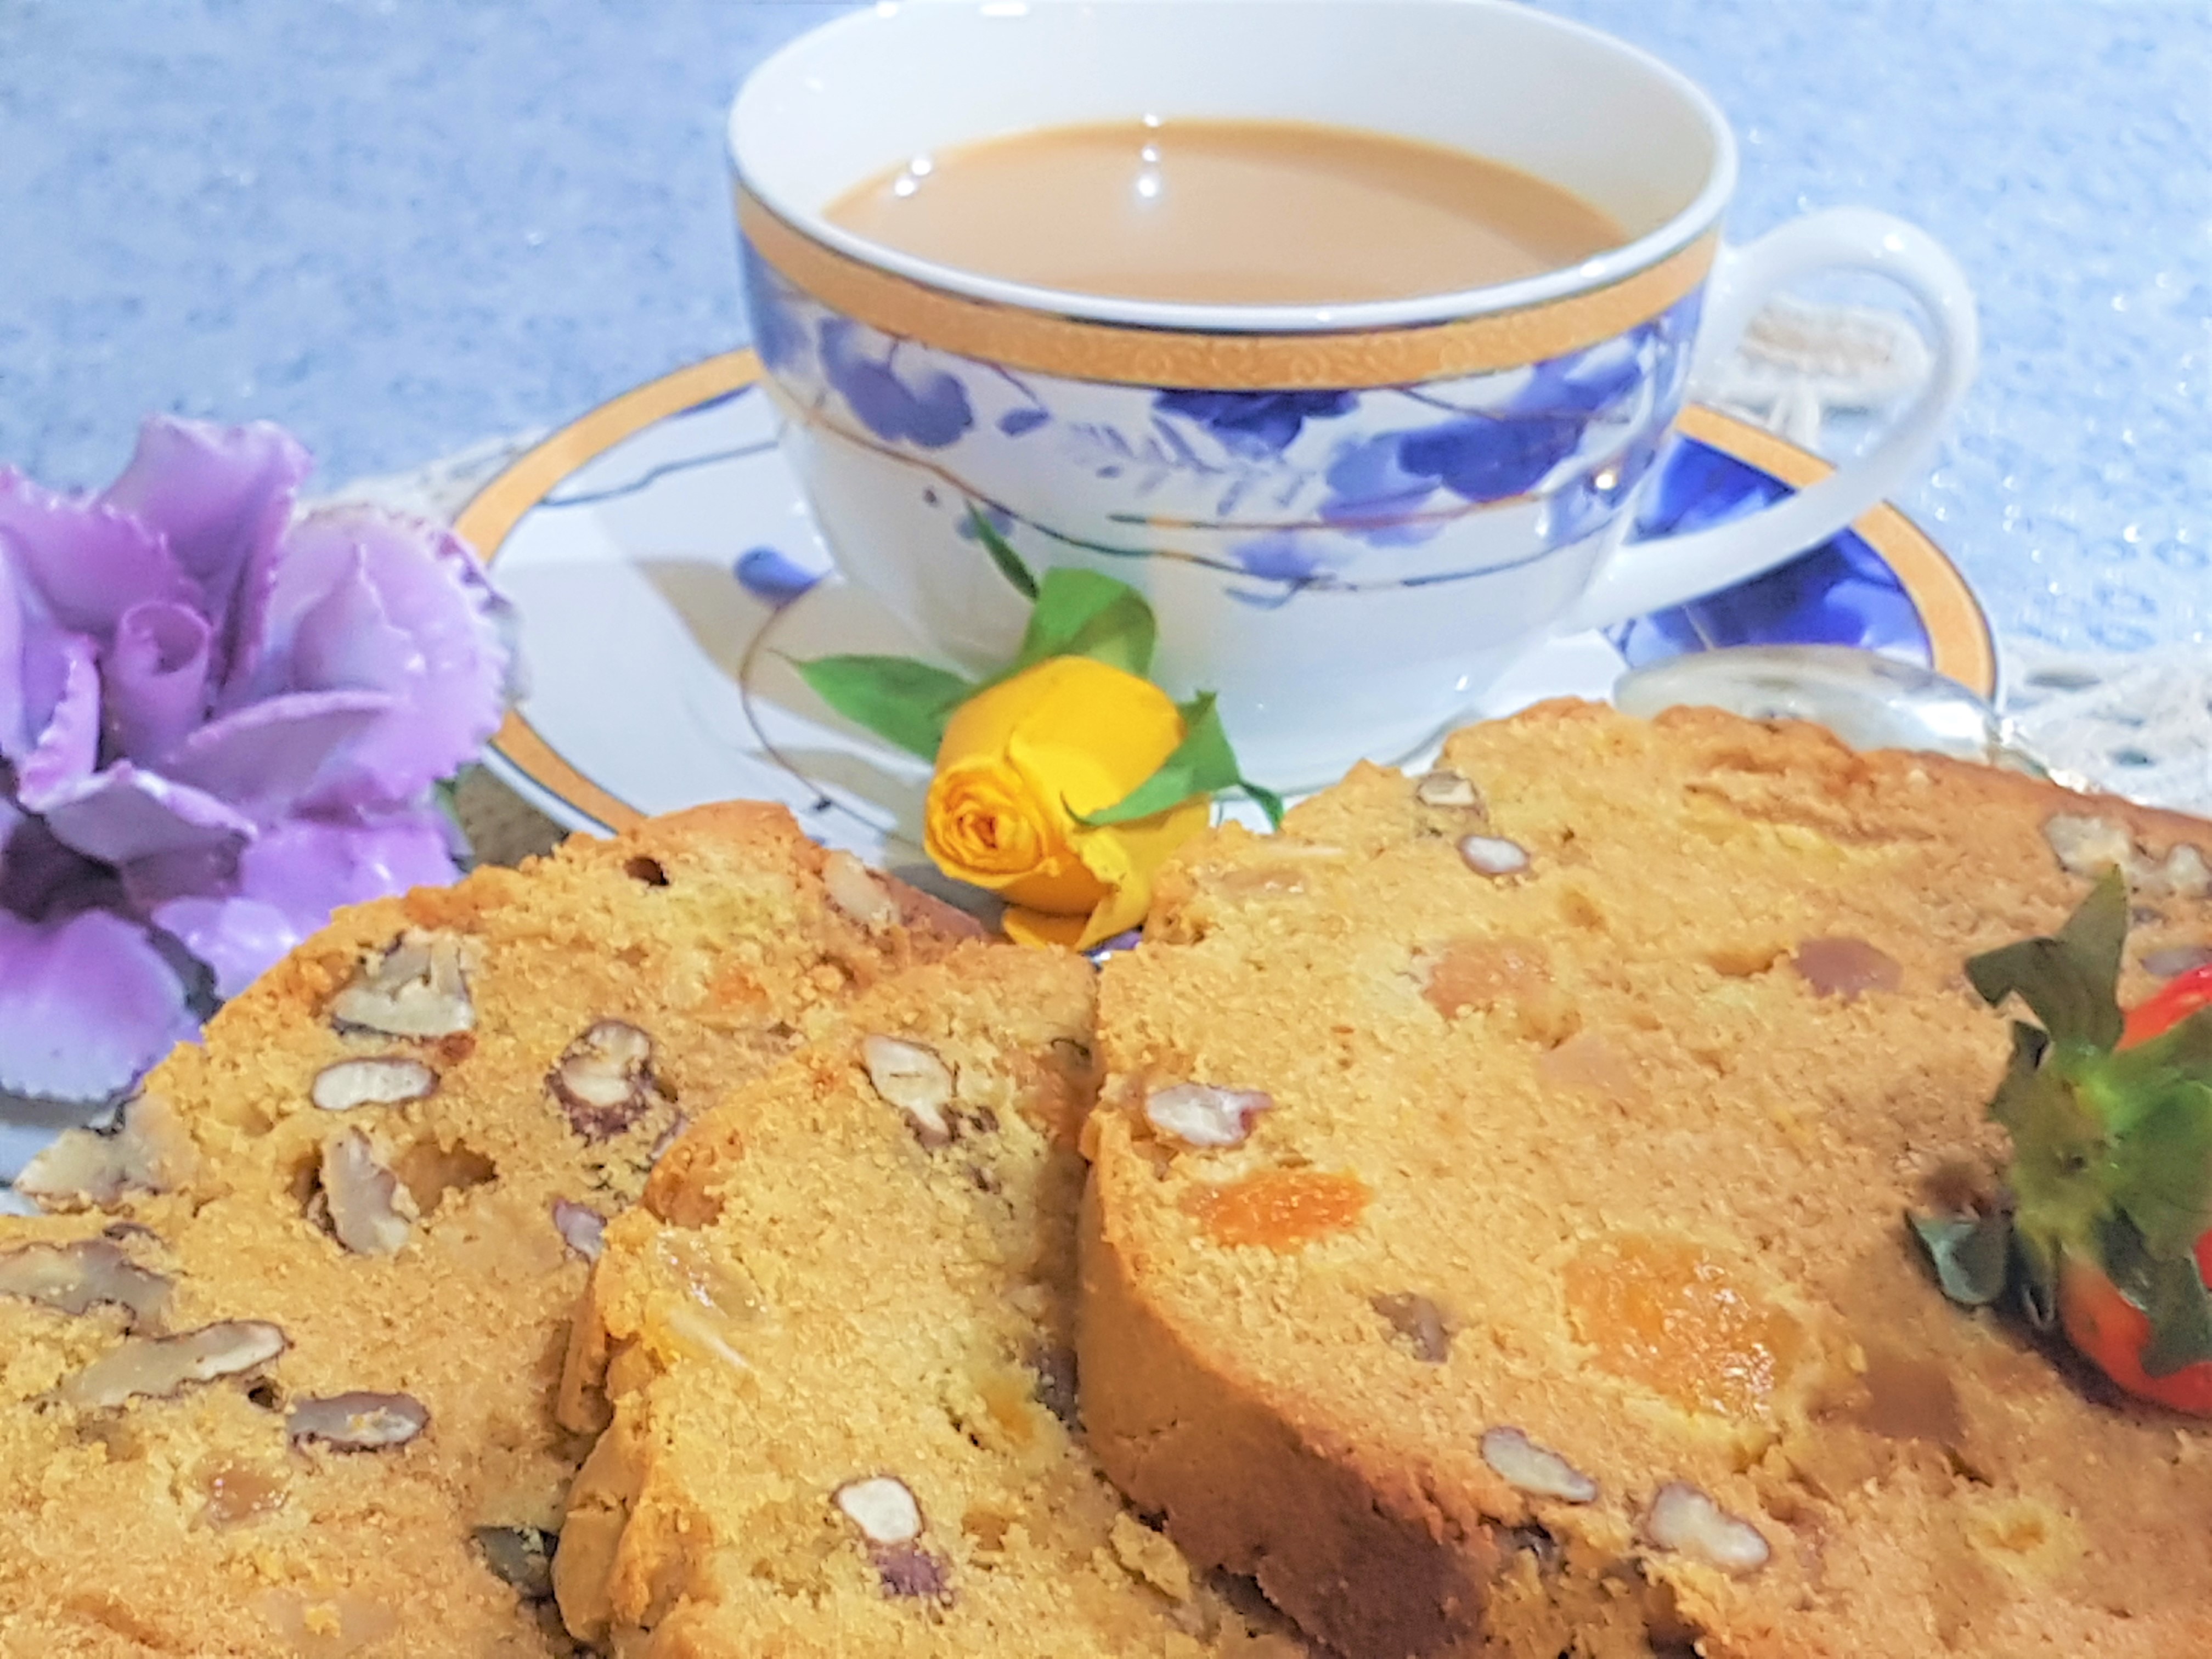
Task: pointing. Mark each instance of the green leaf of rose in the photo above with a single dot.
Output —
(900, 700)
(1203, 764)
(1080, 613)
(1002, 553)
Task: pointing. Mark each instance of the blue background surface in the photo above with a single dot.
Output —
(403, 227)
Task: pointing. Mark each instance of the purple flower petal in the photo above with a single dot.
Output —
(86, 1005)
(290, 881)
(362, 601)
(156, 677)
(264, 757)
(153, 880)
(42, 880)
(15, 694)
(87, 560)
(221, 495)
(124, 813)
(69, 748)
(34, 662)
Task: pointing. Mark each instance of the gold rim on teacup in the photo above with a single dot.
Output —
(1124, 353)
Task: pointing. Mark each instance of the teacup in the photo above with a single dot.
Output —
(1350, 520)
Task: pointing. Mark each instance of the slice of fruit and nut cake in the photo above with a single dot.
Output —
(1497, 1238)
(280, 1378)
(830, 1353)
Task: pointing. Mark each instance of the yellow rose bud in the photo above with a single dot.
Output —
(1020, 761)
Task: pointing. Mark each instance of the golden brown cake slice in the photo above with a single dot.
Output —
(285, 1381)
(834, 1345)
(1496, 1241)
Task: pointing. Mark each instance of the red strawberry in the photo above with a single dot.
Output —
(2179, 998)
(2111, 1119)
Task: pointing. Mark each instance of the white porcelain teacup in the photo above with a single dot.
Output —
(1350, 520)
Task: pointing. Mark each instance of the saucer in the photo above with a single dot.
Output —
(667, 575)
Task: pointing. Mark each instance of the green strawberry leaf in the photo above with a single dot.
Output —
(2038, 1280)
(1002, 553)
(2030, 1102)
(1971, 1254)
(2071, 982)
(900, 700)
(1080, 613)
(2168, 1289)
(2056, 1139)
(2160, 1168)
(1203, 764)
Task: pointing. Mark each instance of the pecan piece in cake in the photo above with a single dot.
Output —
(604, 1080)
(885, 1509)
(372, 1080)
(148, 1149)
(359, 1421)
(368, 1211)
(156, 1367)
(855, 891)
(1417, 1323)
(73, 1278)
(1445, 787)
(521, 1557)
(582, 1229)
(912, 1078)
(417, 988)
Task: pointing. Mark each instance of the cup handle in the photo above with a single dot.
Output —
(1645, 576)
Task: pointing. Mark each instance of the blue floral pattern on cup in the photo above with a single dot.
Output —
(1284, 493)
(1255, 424)
(922, 404)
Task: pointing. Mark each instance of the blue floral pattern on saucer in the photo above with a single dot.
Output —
(1841, 593)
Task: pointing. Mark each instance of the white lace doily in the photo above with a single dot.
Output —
(2138, 725)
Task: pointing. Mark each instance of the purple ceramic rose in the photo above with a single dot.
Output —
(217, 723)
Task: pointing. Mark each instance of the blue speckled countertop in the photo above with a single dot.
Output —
(403, 227)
